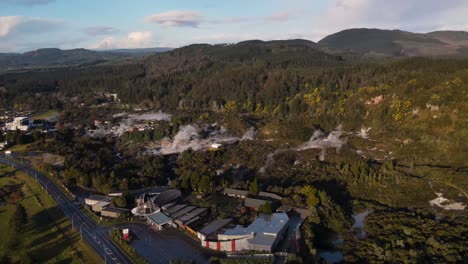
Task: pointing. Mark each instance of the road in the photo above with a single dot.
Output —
(96, 236)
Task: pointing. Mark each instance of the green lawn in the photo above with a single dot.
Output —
(51, 114)
(47, 236)
(3, 170)
(19, 148)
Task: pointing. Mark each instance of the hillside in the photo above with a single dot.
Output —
(143, 51)
(55, 57)
(399, 43)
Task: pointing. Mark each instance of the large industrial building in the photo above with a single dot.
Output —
(263, 234)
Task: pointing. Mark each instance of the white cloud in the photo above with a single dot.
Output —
(9, 23)
(193, 19)
(137, 39)
(176, 18)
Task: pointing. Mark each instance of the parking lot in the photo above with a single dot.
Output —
(164, 246)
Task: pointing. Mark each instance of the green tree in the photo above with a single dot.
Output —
(266, 208)
(205, 184)
(310, 194)
(253, 189)
(120, 202)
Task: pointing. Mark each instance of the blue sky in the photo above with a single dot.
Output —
(106, 24)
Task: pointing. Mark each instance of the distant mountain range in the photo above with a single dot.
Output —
(52, 57)
(369, 42)
(398, 43)
(138, 51)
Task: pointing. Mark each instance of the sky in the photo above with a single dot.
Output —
(109, 24)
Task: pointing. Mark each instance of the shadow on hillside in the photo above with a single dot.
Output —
(52, 240)
(338, 192)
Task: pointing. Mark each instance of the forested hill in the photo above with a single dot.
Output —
(279, 79)
(54, 57)
(399, 43)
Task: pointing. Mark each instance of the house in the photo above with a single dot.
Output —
(114, 212)
(254, 203)
(159, 220)
(94, 199)
(235, 193)
(98, 207)
(262, 235)
(273, 196)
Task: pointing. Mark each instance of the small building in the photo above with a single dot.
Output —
(19, 123)
(97, 207)
(94, 199)
(254, 203)
(273, 196)
(235, 193)
(215, 146)
(159, 220)
(114, 212)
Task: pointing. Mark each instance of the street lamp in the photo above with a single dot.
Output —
(73, 226)
(46, 186)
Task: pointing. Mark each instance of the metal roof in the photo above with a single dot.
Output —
(253, 203)
(183, 211)
(115, 210)
(99, 198)
(265, 229)
(167, 197)
(214, 226)
(101, 204)
(235, 192)
(175, 208)
(159, 218)
(192, 214)
(270, 195)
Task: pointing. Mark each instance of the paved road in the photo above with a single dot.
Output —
(90, 231)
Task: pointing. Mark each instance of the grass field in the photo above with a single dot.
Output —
(47, 236)
(19, 148)
(49, 115)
